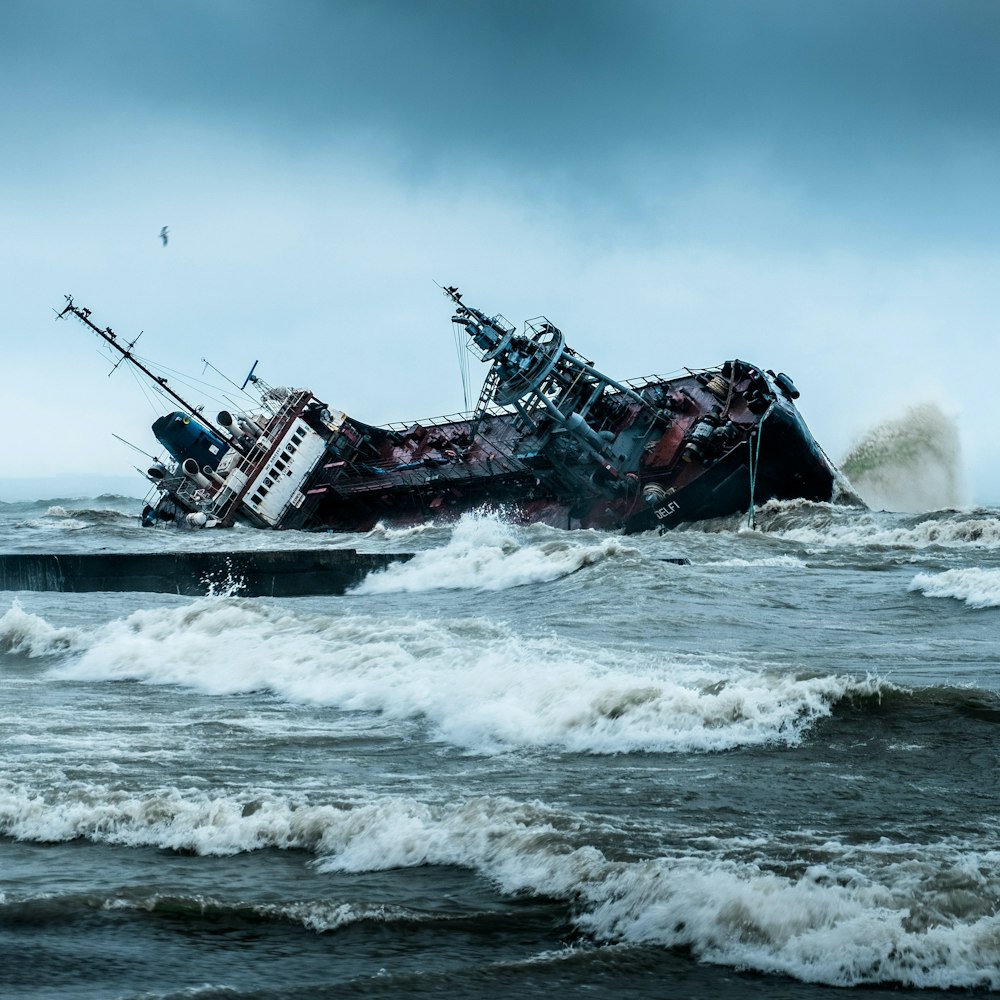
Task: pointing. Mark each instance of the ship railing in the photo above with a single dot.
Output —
(496, 410)
(492, 410)
(640, 383)
(190, 492)
(498, 322)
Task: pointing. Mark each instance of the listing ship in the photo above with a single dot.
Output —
(552, 439)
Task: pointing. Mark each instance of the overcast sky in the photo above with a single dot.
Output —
(811, 186)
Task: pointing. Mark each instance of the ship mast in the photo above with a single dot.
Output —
(110, 337)
(537, 373)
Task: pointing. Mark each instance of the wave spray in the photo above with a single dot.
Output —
(910, 464)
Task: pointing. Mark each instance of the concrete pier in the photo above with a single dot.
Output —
(195, 574)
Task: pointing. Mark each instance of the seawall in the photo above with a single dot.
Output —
(243, 573)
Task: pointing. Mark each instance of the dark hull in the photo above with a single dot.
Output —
(788, 465)
(785, 460)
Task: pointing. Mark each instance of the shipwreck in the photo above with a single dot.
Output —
(551, 439)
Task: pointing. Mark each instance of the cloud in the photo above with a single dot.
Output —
(806, 186)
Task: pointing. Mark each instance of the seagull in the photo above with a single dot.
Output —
(163, 235)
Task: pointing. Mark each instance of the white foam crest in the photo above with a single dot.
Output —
(315, 914)
(780, 562)
(919, 915)
(171, 818)
(31, 635)
(481, 687)
(952, 529)
(977, 587)
(391, 534)
(321, 915)
(485, 553)
(62, 522)
(846, 930)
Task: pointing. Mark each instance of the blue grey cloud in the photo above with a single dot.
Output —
(888, 106)
(810, 183)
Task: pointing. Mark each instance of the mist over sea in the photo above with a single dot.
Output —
(527, 762)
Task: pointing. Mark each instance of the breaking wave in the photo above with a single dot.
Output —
(30, 635)
(976, 587)
(58, 517)
(484, 553)
(478, 686)
(920, 915)
(829, 526)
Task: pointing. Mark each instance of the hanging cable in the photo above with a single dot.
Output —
(754, 445)
(211, 392)
(145, 392)
(463, 363)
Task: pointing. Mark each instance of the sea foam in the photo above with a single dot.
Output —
(485, 553)
(860, 914)
(477, 684)
(827, 526)
(977, 587)
(30, 635)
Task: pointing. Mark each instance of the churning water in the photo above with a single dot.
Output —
(528, 762)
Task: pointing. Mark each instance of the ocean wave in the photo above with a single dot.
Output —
(833, 924)
(823, 525)
(317, 915)
(829, 525)
(478, 685)
(385, 532)
(59, 518)
(921, 915)
(92, 515)
(44, 503)
(923, 713)
(764, 562)
(976, 587)
(30, 635)
(485, 553)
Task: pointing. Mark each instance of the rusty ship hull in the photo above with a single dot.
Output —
(551, 440)
(420, 477)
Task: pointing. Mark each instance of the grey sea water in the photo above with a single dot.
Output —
(528, 762)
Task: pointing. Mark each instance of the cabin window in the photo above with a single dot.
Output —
(278, 466)
(291, 448)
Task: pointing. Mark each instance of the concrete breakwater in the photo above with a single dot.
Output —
(241, 573)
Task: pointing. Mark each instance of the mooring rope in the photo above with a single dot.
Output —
(754, 466)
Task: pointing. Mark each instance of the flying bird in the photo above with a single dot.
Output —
(163, 235)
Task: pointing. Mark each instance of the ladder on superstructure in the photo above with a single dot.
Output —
(485, 397)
